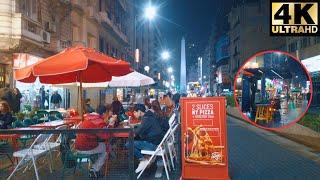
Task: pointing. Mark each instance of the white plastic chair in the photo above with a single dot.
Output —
(172, 119)
(160, 151)
(57, 143)
(171, 145)
(31, 154)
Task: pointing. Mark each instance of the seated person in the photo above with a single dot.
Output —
(110, 119)
(87, 107)
(90, 143)
(161, 117)
(149, 134)
(130, 113)
(101, 109)
(5, 115)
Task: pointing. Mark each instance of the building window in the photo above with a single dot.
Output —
(305, 42)
(317, 39)
(75, 33)
(293, 47)
(107, 49)
(102, 47)
(28, 8)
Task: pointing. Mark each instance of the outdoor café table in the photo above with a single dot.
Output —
(123, 134)
(15, 137)
(52, 124)
(75, 119)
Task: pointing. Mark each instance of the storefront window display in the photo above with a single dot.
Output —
(32, 95)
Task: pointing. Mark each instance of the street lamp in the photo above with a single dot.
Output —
(150, 12)
(147, 68)
(170, 70)
(165, 55)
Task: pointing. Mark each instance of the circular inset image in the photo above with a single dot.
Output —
(272, 90)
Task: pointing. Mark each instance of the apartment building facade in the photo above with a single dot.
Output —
(249, 33)
(35, 29)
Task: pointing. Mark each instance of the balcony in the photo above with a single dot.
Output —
(106, 20)
(31, 29)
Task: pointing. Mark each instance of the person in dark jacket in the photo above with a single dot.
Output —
(16, 100)
(42, 93)
(149, 134)
(87, 107)
(5, 115)
(117, 106)
(56, 100)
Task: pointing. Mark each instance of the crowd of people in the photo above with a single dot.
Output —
(151, 115)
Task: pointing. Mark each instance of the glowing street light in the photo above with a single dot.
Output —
(165, 55)
(150, 12)
(170, 70)
(147, 68)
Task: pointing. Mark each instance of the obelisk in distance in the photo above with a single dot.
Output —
(183, 71)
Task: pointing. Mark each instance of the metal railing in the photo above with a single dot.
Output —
(65, 161)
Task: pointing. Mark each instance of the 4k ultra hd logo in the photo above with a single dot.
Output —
(294, 18)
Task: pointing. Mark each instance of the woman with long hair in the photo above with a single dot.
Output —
(5, 115)
(147, 103)
(161, 116)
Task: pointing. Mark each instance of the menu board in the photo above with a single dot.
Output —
(203, 136)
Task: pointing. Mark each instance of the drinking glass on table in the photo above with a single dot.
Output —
(126, 124)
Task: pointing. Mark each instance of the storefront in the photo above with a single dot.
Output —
(31, 95)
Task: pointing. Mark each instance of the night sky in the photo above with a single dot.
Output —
(190, 18)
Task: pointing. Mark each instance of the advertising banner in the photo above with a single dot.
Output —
(203, 140)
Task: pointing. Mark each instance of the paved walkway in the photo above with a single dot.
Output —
(258, 154)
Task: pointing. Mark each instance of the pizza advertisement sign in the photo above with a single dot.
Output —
(203, 133)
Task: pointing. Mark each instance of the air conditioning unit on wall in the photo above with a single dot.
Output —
(45, 36)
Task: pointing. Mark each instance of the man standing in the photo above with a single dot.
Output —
(42, 93)
(56, 100)
(148, 134)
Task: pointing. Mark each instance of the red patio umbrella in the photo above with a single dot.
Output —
(78, 64)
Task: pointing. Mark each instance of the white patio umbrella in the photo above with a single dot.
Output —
(133, 79)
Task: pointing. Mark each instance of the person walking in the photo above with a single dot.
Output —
(16, 100)
(42, 93)
(56, 100)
